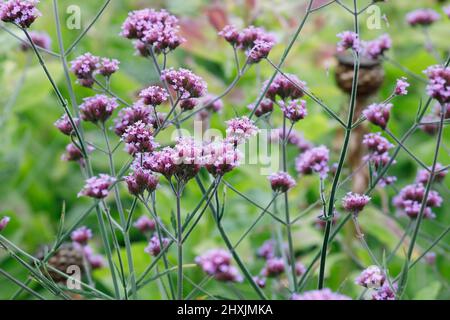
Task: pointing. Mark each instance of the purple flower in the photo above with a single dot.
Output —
(73, 153)
(154, 95)
(138, 138)
(320, 222)
(422, 17)
(20, 12)
(354, 202)
(265, 107)
(429, 125)
(81, 235)
(220, 157)
(154, 246)
(4, 222)
(438, 83)
(230, 34)
(256, 43)
(141, 180)
(376, 48)
(145, 224)
(273, 267)
(378, 114)
(314, 160)
(40, 39)
(410, 198)
(446, 11)
(294, 110)
(217, 263)
(285, 86)
(300, 268)
(260, 51)
(212, 103)
(188, 104)
(153, 29)
(108, 66)
(161, 162)
(131, 115)
(424, 175)
(294, 137)
(267, 250)
(372, 277)
(430, 258)
(97, 108)
(95, 261)
(97, 187)
(387, 181)
(185, 83)
(349, 40)
(384, 293)
(281, 182)
(323, 294)
(85, 65)
(260, 281)
(241, 129)
(400, 87)
(188, 158)
(376, 143)
(65, 126)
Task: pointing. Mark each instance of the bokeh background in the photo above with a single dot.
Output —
(35, 183)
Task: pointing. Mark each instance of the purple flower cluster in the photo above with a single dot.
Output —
(385, 292)
(267, 250)
(410, 198)
(220, 157)
(378, 114)
(424, 175)
(20, 12)
(439, 83)
(141, 180)
(255, 41)
(376, 143)
(294, 138)
(154, 246)
(65, 126)
(145, 224)
(96, 261)
(376, 48)
(81, 235)
(152, 29)
(372, 277)
(129, 116)
(40, 39)
(314, 160)
(240, 129)
(153, 96)
(281, 181)
(286, 86)
(320, 221)
(422, 17)
(108, 67)
(354, 202)
(97, 108)
(97, 187)
(323, 294)
(217, 263)
(4, 222)
(185, 83)
(265, 107)
(87, 65)
(349, 40)
(138, 138)
(401, 87)
(274, 267)
(73, 153)
(294, 110)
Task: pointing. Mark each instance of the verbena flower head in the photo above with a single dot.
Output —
(251, 35)
(188, 104)
(294, 110)
(97, 108)
(273, 267)
(267, 250)
(220, 157)
(260, 281)
(376, 143)
(438, 83)
(429, 125)
(65, 126)
(96, 261)
(154, 95)
(161, 162)
(40, 39)
(154, 246)
(376, 48)
(145, 224)
(401, 86)
(265, 107)
(372, 277)
(129, 116)
(4, 222)
(241, 129)
(97, 187)
(260, 51)
(385, 292)
(188, 158)
(321, 223)
(81, 235)
(409, 201)
(314, 160)
(217, 263)
(138, 138)
(185, 83)
(20, 12)
(323, 294)
(300, 268)
(230, 34)
(387, 181)
(422, 17)
(141, 180)
(285, 86)
(281, 181)
(108, 66)
(349, 40)
(424, 175)
(85, 65)
(354, 202)
(378, 114)
(212, 103)
(430, 258)
(73, 153)
(294, 138)
(153, 29)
